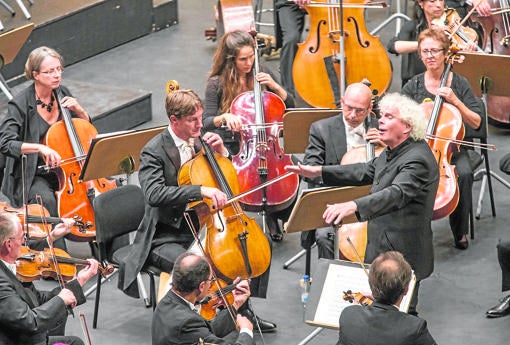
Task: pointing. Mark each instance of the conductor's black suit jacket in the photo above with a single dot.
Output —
(400, 204)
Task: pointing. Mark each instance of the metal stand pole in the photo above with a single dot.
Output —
(311, 336)
(4, 87)
(23, 9)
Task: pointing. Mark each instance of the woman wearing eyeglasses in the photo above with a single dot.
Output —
(29, 116)
(433, 45)
(426, 11)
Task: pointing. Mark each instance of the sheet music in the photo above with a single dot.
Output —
(339, 279)
(343, 276)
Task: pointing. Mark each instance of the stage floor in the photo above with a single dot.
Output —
(453, 300)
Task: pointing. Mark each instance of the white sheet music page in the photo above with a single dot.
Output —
(339, 278)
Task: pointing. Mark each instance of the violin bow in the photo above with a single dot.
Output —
(461, 23)
(198, 241)
(51, 248)
(358, 257)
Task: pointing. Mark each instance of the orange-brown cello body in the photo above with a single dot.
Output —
(71, 138)
(494, 32)
(261, 157)
(445, 122)
(235, 244)
(316, 71)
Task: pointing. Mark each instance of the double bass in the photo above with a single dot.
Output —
(316, 70)
(261, 156)
(71, 138)
(494, 32)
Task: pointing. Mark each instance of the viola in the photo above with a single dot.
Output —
(33, 264)
(444, 120)
(460, 35)
(261, 156)
(71, 138)
(38, 220)
(317, 69)
(234, 242)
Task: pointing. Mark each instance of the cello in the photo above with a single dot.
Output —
(236, 245)
(71, 138)
(352, 238)
(445, 121)
(316, 71)
(261, 156)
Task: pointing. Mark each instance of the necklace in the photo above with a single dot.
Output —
(43, 105)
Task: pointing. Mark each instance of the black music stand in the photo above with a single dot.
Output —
(116, 154)
(484, 73)
(10, 44)
(307, 215)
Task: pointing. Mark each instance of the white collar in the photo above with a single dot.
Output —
(11, 267)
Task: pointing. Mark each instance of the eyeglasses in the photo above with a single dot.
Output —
(433, 1)
(347, 108)
(431, 52)
(54, 71)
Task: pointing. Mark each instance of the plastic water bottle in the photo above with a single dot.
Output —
(305, 286)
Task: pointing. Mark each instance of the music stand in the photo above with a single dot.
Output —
(115, 154)
(483, 71)
(298, 122)
(10, 44)
(302, 219)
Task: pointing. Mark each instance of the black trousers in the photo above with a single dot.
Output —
(504, 263)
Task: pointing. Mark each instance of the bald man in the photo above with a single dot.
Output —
(329, 140)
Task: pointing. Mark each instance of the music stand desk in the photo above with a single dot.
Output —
(307, 212)
(116, 154)
(296, 126)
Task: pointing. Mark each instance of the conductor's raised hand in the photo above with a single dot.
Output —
(309, 171)
(335, 213)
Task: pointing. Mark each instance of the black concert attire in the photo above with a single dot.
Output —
(381, 323)
(174, 322)
(290, 21)
(328, 142)
(24, 124)
(29, 316)
(163, 234)
(400, 204)
(466, 159)
(411, 62)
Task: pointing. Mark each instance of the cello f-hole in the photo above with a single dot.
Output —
(316, 49)
(365, 44)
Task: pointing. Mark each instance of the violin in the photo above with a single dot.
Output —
(38, 220)
(459, 35)
(217, 296)
(33, 264)
(357, 298)
(71, 138)
(445, 121)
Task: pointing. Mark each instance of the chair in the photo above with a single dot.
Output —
(117, 213)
